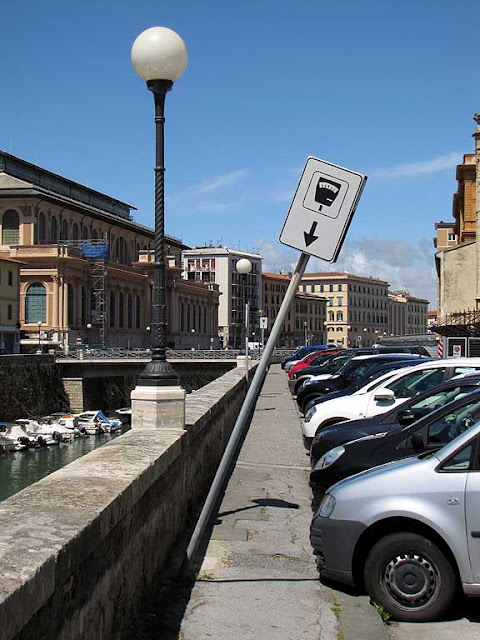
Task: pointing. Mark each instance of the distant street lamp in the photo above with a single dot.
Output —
(159, 56)
(243, 268)
(305, 327)
(39, 324)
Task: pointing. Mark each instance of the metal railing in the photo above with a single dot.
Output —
(120, 353)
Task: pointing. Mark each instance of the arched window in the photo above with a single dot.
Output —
(129, 311)
(53, 230)
(41, 228)
(331, 316)
(75, 235)
(64, 230)
(10, 227)
(84, 233)
(205, 320)
(70, 306)
(94, 234)
(339, 316)
(35, 303)
(194, 320)
(84, 306)
(112, 311)
(121, 310)
(137, 313)
(182, 317)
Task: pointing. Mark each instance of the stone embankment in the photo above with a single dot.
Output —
(79, 548)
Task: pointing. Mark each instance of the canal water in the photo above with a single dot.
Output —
(19, 469)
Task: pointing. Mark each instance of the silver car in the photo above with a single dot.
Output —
(408, 530)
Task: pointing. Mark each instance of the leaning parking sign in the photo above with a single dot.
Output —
(322, 209)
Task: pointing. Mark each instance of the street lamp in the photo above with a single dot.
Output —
(39, 324)
(243, 268)
(159, 56)
(305, 326)
(365, 332)
(193, 339)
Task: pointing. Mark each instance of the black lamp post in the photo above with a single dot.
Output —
(159, 56)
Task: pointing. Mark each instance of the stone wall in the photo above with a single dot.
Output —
(30, 385)
(79, 548)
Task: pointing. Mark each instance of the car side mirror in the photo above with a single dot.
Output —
(407, 416)
(417, 440)
(384, 394)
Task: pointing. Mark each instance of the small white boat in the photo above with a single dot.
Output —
(46, 433)
(96, 422)
(16, 433)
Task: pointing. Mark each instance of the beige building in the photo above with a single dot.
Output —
(217, 265)
(458, 253)
(9, 305)
(407, 315)
(86, 276)
(306, 316)
(356, 313)
(455, 243)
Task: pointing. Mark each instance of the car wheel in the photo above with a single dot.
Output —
(410, 577)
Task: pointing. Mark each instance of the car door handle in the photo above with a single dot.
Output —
(475, 534)
(453, 501)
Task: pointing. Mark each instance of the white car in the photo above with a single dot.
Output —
(384, 393)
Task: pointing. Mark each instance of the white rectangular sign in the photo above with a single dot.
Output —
(263, 322)
(322, 209)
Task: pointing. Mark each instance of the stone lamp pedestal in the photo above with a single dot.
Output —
(156, 407)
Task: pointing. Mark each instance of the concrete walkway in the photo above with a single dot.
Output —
(258, 579)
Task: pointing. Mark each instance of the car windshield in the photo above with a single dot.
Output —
(357, 369)
(440, 398)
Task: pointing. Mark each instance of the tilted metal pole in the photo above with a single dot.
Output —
(247, 406)
(247, 313)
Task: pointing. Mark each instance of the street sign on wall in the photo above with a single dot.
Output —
(263, 322)
(322, 209)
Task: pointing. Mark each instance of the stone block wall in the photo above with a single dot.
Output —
(79, 548)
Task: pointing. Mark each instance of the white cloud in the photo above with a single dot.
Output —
(445, 161)
(220, 181)
(406, 267)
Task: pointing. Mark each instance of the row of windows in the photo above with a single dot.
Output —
(278, 288)
(194, 317)
(63, 232)
(36, 307)
(321, 288)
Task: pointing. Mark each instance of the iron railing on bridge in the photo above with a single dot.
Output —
(82, 352)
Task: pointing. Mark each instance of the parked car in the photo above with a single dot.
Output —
(377, 372)
(408, 530)
(380, 396)
(400, 416)
(311, 359)
(431, 432)
(328, 365)
(300, 353)
(352, 370)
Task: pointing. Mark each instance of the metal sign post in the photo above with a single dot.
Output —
(325, 198)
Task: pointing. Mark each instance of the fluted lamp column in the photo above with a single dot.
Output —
(159, 57)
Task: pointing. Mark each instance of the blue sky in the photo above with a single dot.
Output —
(385, 88)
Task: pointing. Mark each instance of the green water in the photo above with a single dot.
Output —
(19, 469)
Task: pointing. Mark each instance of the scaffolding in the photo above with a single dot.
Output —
(96, 251)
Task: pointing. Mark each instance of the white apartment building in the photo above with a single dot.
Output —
(217, 264)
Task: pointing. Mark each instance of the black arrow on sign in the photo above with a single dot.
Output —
(310, 236)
